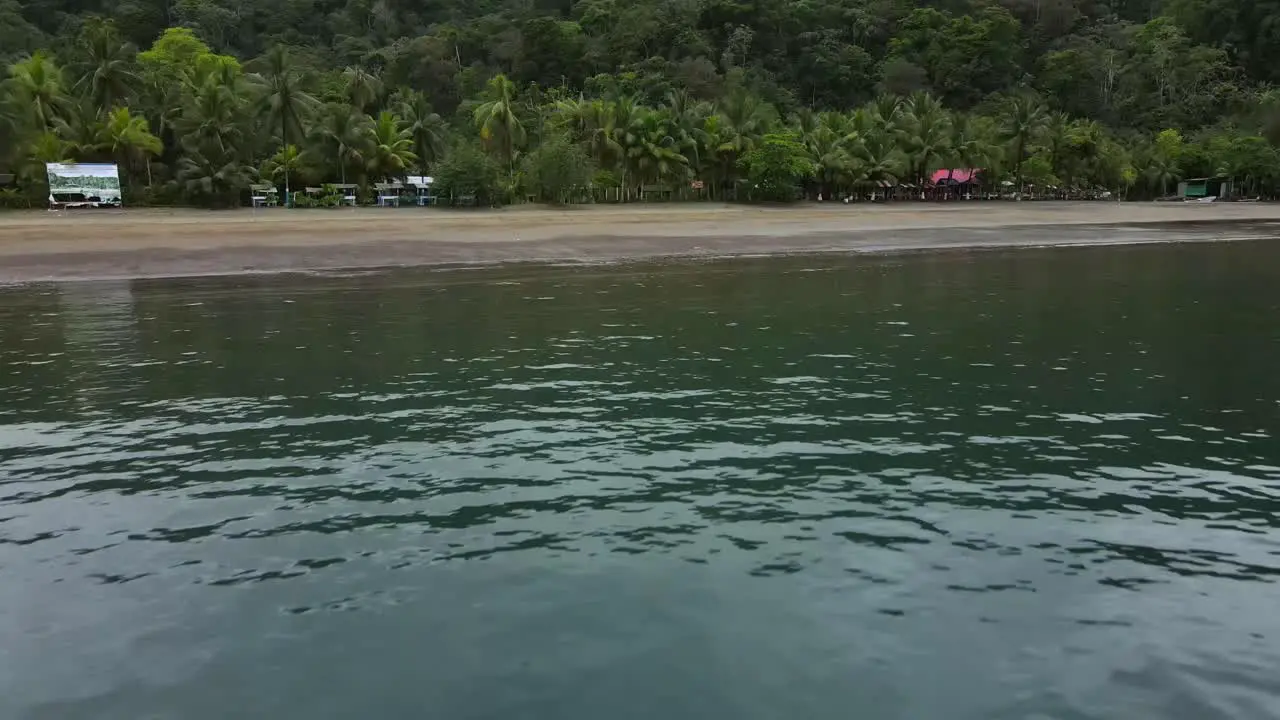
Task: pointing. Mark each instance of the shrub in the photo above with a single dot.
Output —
(556, 169)
(466, 170)
(776, 167)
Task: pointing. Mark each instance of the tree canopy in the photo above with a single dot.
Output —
(198, 98)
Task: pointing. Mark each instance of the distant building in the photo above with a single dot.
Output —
(1206, 187)
(956, 176)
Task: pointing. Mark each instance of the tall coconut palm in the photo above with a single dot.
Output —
(9, 129)
(130, 137)
(216, 178)
(654, 156)
(885, 111)
(687, 120)
(924, 132)
(1161, 170)
(426, 128)
(37, 89)
(1084, 144)
(81, 126)
(876, 157)
(286, 161)
(500, 128)
(831, 143)
(804, 121)
(45, 147)
(283, 101)
(106, 70)
(971, 146)
(1056, 137)
(1023, 117)
(363, 88)
(745, 119)
(626, 113)
(390, 147)
(570, 115)
(342, 135)
(213, 121)
(600, 126)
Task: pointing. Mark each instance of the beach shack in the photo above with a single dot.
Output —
(956, 182)
(1205, 187)
(388, 193)
(348, 193)
(419, 188)
(264, 196)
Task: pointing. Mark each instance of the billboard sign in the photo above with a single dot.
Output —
(76, 185)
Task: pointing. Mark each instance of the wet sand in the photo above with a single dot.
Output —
(39, 245)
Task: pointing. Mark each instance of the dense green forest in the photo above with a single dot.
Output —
(506, 99)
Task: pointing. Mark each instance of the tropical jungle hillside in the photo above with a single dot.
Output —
(507, 99)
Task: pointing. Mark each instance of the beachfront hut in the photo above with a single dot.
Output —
(388, 193)
(420, 187)
(956, 182)
(1206, 187)
(348, 193)
(263, 196)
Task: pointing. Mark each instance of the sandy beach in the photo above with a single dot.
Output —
(40, 245)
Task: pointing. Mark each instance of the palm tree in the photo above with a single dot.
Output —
(37, 89)
(687, 121)
(283, 101)
(81, 126)
(654, 155)
(1084, 143)
(391, 151)
(47, 147)
(362, 87)
(746, 118)
(287, 161)
(924, 132)
(8, 129)
(971, 147)
(805, 121)
(426, 128)
(1056, 136)
(218, 179)
(129, 137)
(212, 120)
(1161, 170)
(592, 123)
(885, 111)
(1024, 116)
(500, 129)
(830, 143)
(105, 73)
(342, 135)
(876, 156)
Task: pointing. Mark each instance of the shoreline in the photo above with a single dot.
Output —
(39, 246)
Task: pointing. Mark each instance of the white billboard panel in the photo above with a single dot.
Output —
(83, 185)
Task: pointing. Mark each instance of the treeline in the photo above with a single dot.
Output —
(506, 100)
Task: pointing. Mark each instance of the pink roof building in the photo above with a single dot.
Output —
(958, 176)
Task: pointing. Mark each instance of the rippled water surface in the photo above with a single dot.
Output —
(1039, 484)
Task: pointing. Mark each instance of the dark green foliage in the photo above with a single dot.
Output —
(467, 175)
(556, 170)
(664, 96)
(776, 167)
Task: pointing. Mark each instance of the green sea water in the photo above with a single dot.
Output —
(1027, 484)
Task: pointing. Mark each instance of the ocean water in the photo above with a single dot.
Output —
(1027, 484)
